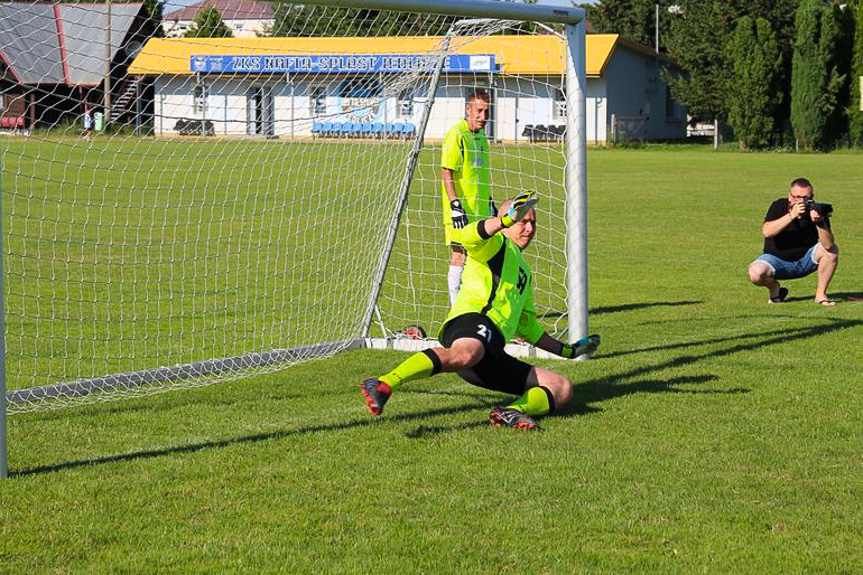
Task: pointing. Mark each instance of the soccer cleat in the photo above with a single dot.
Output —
(509, 417)
(376, 393)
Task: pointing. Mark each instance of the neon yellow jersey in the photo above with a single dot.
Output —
(498, 284)
(466, 153)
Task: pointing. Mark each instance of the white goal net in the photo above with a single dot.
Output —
(192, 200)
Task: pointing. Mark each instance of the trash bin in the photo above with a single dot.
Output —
(99, 120)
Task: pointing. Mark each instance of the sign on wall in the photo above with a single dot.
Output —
(341, 64)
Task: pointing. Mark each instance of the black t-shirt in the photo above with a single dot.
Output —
(795, 240)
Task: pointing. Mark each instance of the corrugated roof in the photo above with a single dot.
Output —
(84, 37)
(30, 44)
(229, 9)
(33, 38)
(519, 54)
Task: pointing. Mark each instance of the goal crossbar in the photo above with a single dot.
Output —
(475, 8)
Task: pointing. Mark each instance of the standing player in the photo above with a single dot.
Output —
(465, 172)
(495, 303)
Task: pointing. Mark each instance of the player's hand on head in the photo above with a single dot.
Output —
(459, 217)
(518, 208)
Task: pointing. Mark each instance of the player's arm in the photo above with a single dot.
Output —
(452, 159)
(553, 345)
(459, 217)
(775, 221)
(481, 239)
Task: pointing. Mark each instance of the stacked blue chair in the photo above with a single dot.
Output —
(316, 128)
(327, 129)
(378, 130)
(338, 129)
(366, 129)
(408, 130)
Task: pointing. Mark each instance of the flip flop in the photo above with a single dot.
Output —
(783, 293)
(826, 302)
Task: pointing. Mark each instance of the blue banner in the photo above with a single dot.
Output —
(341, 64)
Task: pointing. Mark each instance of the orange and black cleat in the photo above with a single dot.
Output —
(376, 393)
(509, 417)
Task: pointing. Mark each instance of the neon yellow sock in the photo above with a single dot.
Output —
(419, 365)
(535, 401)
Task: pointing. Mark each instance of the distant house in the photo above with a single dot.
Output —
(245, 18)
(226, 87)
(52, 59)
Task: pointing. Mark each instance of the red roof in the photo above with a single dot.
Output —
(229, 9)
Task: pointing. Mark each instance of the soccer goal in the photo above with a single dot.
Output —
(188, 203)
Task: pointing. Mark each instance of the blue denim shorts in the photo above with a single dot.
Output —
(783, 270)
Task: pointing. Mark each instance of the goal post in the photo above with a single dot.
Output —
(217, 208)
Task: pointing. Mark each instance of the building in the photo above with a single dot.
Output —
(292, 87)
(52, 59)
(245, 18)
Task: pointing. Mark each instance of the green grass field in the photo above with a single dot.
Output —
(711, 433)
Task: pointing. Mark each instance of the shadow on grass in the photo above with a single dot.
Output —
(787, 335)
(279, 434)
(624, 307)
(595, 391)
(841, 296)
(585, 394)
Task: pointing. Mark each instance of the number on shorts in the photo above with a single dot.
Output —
(484, 333)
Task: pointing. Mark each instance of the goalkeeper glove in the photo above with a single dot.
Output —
(518, 208)
(585, 345)
(459, 218)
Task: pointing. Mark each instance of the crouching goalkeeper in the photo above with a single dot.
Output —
(494, 303)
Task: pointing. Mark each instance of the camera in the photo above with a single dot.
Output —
(823, 210)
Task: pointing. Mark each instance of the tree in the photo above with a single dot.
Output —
(855, 114)
(754, 91)
(153, 9)
(209, 24)
(815, 80)
(634, 19)
(696, 41)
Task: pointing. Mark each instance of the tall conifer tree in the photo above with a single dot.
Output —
(754, 92)
(855, 114)
(815, 81)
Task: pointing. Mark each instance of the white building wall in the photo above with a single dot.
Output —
(519, 102)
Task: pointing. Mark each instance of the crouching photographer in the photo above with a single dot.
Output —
(798, 240)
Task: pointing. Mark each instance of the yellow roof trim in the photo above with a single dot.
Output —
(522, 55)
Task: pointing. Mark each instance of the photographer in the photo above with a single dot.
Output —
(797, 241)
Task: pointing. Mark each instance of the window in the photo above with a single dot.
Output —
(319, 100)
(405, 107)
(559, 111)
(199, 96)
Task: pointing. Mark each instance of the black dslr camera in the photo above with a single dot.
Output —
(823, 210)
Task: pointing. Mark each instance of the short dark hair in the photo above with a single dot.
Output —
(801, 183)
(478, 94)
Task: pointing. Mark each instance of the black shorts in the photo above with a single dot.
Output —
(497, 370)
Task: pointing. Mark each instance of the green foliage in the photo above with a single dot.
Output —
(855, 115)
(697, 42)
(154, 10)
(754, 92)
(209, 24)
(815, 81)
(634, 19)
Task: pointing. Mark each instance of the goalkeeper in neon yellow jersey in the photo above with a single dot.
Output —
(466, 178)
(494, 304)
